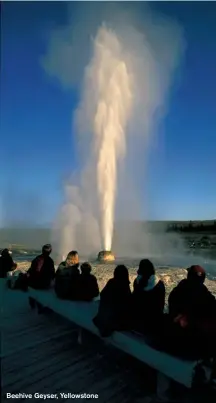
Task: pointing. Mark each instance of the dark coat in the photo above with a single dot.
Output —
(114, 308)
(41, 272)
(88, 287)
(193, 300)
(6, 264)
(196, 304)
(67, 282)
(148, 306)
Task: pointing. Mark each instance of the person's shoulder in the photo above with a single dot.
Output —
(110, 284)
(135, 282)
(204, 287)
(38, 257)
(206, 290)
(137, 287)
(61, 267)
(183, 284)
(50, 259)
(161, 284)
(93, 277)
(74, 269)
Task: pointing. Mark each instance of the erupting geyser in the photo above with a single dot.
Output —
(123, 94)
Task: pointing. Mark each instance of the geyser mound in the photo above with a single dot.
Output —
(105, 256)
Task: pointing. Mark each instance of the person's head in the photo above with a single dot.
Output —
(121, 274)
(5, 252)
(46, 249)
(72, 258)
(146, 270)
(196, 274)
(86, 268)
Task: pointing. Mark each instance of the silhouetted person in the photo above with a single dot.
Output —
(191, 297)
(88, 286)
(42, 270)
(67, 277)
(115, 304)
(192, 310)
(148, 299)
(6, 263)
(40, 274)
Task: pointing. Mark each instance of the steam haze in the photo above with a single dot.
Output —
(123, 67)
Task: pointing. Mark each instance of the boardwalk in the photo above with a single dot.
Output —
(40, 354)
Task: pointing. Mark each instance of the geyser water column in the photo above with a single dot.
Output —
(113, 91)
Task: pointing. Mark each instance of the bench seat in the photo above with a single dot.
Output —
(82, 313)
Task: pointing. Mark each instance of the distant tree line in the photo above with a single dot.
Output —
(192, 227)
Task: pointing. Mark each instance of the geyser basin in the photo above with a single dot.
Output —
(105, 256)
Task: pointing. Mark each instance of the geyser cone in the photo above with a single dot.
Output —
(106, 256)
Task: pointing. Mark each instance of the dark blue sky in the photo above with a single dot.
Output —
(37, 147)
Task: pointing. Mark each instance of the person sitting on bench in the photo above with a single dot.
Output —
(148, 299)
(39, 276)
(67, 278)
(42, 270)
(6, 263)
(192, 310)
(115, 304)
(88, 286)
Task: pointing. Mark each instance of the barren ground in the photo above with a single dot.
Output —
(170, 276)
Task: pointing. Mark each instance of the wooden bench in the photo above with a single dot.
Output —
(168, 367)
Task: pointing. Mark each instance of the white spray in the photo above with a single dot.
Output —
(124, 93)
(113, 91)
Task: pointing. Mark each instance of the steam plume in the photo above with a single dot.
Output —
(124, 95)
(113, 100)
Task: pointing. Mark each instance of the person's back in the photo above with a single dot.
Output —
(148, 298)
(88, 286)
(6, 263)
(150, 301)
(42, 270)
(115, 303)
(192, 312)
(67, 277)
(191, 297)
